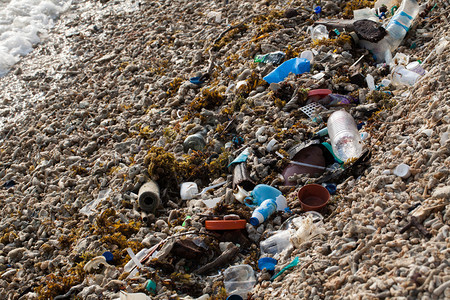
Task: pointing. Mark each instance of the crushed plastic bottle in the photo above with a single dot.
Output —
(273, 58)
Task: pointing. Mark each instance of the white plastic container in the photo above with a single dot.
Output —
(188, 190)
(345, 138)
(416, 67)
(400, 23)
(276, 243)
(403, 76)
(239, 280)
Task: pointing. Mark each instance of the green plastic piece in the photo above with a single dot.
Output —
(328, 146)
(187, 218)
(293, 263)
(151, 286)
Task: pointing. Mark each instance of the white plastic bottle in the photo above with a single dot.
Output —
(400, 23)
(345, 138)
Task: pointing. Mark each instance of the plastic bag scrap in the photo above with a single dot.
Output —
(89, 208)
(295, 65)
(306, 229)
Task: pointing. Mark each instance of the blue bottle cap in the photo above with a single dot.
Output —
(267, 262)
(254, 221)
(108, 256)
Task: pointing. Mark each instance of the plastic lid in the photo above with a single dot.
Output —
(225, 224)
(268, 263)
(108, 256)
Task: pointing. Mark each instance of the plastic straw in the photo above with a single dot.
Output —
(304, 164)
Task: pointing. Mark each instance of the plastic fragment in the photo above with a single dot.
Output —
(294, 263)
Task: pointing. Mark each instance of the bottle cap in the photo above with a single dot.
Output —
(256, 219)
(108, 256)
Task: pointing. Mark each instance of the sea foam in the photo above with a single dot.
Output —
(23, 23)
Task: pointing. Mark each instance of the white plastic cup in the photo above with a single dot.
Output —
(403, 171)
(188, 190)
(403, 76)
(239, 280)
(319, 32)
(308, 55)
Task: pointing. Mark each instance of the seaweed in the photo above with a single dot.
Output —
(384, 100)
(342, 40)
(162, 165)
(209, 98)
(350, 6)
(174, 86)
(57, 284)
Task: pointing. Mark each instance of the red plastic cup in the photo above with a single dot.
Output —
(313, 197)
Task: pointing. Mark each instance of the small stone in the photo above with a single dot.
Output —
(16, 254)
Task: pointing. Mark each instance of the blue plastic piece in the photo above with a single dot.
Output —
(295, 65)
(263, 192)
(317, 9)
(268, 263)
(241, 157)
(331, 188)
(108, 256)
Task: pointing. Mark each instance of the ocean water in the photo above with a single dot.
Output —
(23, 23)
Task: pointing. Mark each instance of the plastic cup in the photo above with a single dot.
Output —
(319, 32)
(313, 197)
(308, 55)
(239, 280)
(403, 76)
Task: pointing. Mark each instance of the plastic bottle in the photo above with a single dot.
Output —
(274, 58)
(262, 213)
(400, 23)
(345, 138)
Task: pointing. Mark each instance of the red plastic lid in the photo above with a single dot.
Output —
(225, 224)
(319, 92)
